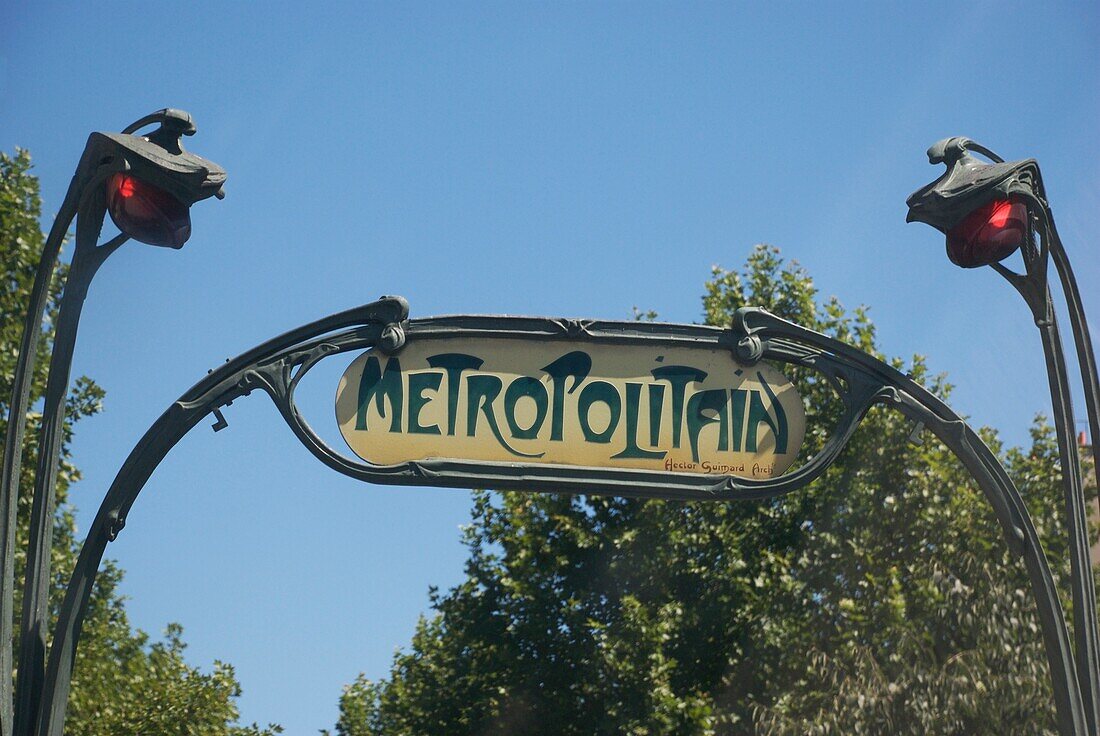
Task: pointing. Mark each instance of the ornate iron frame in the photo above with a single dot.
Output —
(160, 159)
(276, 367)
(967, 184)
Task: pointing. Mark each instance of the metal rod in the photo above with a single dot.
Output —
(34, 624)
(1086, 360)
(35, 617)
(992, 479)
(1035, 290)
(1083, 587)
(13, 441)
(85, 201)
(1082, 339)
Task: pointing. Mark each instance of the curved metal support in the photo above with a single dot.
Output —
(159, 159)
(278, 366)
(79, 204)
(966, 185)
(1063, 412)
(1033, 287)
(918, 403)
(13, 439)
(1051, 244)
(1086, 357)
(34, 623)
(219, 388)
(858, 394)
(948, 150)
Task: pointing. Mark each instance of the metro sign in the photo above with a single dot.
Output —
(656, 408)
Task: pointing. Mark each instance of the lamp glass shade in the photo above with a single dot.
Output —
(989, 234)
(146, 212)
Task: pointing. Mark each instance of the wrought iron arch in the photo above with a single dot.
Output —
(276, 367)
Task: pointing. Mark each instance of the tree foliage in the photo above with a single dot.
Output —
(880, 599)
(124, 682)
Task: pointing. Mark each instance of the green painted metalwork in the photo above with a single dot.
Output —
(158, 159)
(277, 367)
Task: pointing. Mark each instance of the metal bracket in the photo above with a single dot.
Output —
(221, 424)
(749, 348)
(392, 338)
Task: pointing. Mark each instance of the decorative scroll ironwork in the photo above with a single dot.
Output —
(278, 367)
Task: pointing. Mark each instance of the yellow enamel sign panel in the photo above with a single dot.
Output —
(683, 410)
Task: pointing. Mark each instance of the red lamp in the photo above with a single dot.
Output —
(989, 234)
(146, 212)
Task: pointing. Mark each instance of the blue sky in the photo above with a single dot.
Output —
(556, 159)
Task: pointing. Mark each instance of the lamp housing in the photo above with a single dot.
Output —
(981, 207)
(150, 180)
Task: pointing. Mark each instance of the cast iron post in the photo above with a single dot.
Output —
(988, 211)
(147, 183)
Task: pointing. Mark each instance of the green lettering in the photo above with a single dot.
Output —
(679, 376)
(656, 409)
(577, 364)
(517, 389)
(377, 384)
(633, 397)
(757, 414)
(481, 392)
(418, 382)
(739, 397)
(715, 400)
(604, 392)
(454, 364)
